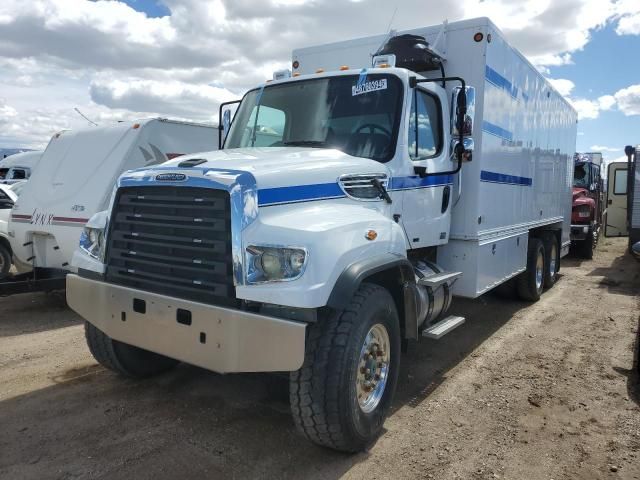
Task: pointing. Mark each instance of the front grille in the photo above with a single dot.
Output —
(174, 241)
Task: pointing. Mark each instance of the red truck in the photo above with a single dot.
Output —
(587, 207)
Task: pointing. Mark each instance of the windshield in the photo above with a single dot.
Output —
(581, 175)
(359, 117)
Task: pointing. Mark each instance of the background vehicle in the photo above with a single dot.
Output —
(587, 208)
(623, 200)
(8, 195)
(345, 210)
(18, 167)
(75, 179)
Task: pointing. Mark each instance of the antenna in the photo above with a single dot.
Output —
(85, 117)
(390, 33)
(392, 17)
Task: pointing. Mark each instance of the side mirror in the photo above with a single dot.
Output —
(463, 110)
(225, 118)
(464, 149)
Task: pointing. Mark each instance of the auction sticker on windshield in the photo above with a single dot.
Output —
(367, 87)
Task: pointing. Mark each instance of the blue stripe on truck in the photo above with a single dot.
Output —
(326, 191)
(499, 81)
(497, 131)
(299, 193)
(493, 177)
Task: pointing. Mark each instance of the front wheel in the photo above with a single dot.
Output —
(586, 246)
(341, 395)
(127, 360)
(5, 261)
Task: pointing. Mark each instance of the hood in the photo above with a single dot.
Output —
(581, 197)
(286, 166)
(579, 192)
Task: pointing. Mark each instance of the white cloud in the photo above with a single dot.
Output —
(629, 100)
(111, 61)
(590, 109)
(563, 85)
(601, 148)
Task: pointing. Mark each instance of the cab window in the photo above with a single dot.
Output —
(267, 130)
(425, 126)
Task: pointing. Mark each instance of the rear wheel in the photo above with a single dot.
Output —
(125, 359)
(552, 259)
(341, 395)
(5, 261)
(531, 282)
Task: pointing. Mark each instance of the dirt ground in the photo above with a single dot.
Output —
(543, 391)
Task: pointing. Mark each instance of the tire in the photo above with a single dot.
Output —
(585, 247)
(551, 259)
(324, 395)
(126, 360)
(530, 283)
(5, 261)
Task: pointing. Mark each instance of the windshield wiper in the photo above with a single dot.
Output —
(305, 143)
(381, 190)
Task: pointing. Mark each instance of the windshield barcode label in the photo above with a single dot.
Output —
(367, 87)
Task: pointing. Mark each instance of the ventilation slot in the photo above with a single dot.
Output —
(360, 187)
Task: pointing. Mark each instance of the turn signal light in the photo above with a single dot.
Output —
(371, 235)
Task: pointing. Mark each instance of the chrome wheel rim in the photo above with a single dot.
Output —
(553, 260)
(373, 368)
(539, 270)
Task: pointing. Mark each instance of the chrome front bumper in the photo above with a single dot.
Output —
(219, 339)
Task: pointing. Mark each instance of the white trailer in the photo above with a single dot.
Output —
(348, 204)
(18, 167)
(76, 179)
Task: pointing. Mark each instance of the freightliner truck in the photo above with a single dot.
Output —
(350, 202)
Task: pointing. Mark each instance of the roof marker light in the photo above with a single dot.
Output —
(320, 70)
(136, 125)
(296, 74)
(344, 67)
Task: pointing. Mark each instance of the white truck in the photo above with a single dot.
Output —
(75, 179)
(350, 202)
(18, 167)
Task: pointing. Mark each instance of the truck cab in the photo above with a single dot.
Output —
(587, 204)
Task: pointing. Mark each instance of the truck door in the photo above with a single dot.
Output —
(427, 199)
(616, 225)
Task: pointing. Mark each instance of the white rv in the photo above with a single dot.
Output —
(76, 178)
(351, 200)
(18, 167)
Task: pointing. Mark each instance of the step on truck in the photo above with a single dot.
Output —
(75, 180)
(353, 199)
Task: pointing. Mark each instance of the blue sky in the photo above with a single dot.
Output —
(607, 64)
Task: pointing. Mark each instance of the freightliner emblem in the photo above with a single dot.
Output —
(171, 177)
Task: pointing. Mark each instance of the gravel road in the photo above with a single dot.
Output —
(542, 391)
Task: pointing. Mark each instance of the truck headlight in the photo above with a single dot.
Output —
(92, 242)
(274, 264)
(92, 237)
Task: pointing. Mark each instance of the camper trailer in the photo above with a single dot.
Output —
(18, 167)
(623, 198)
(76, 179)
(353, 199)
